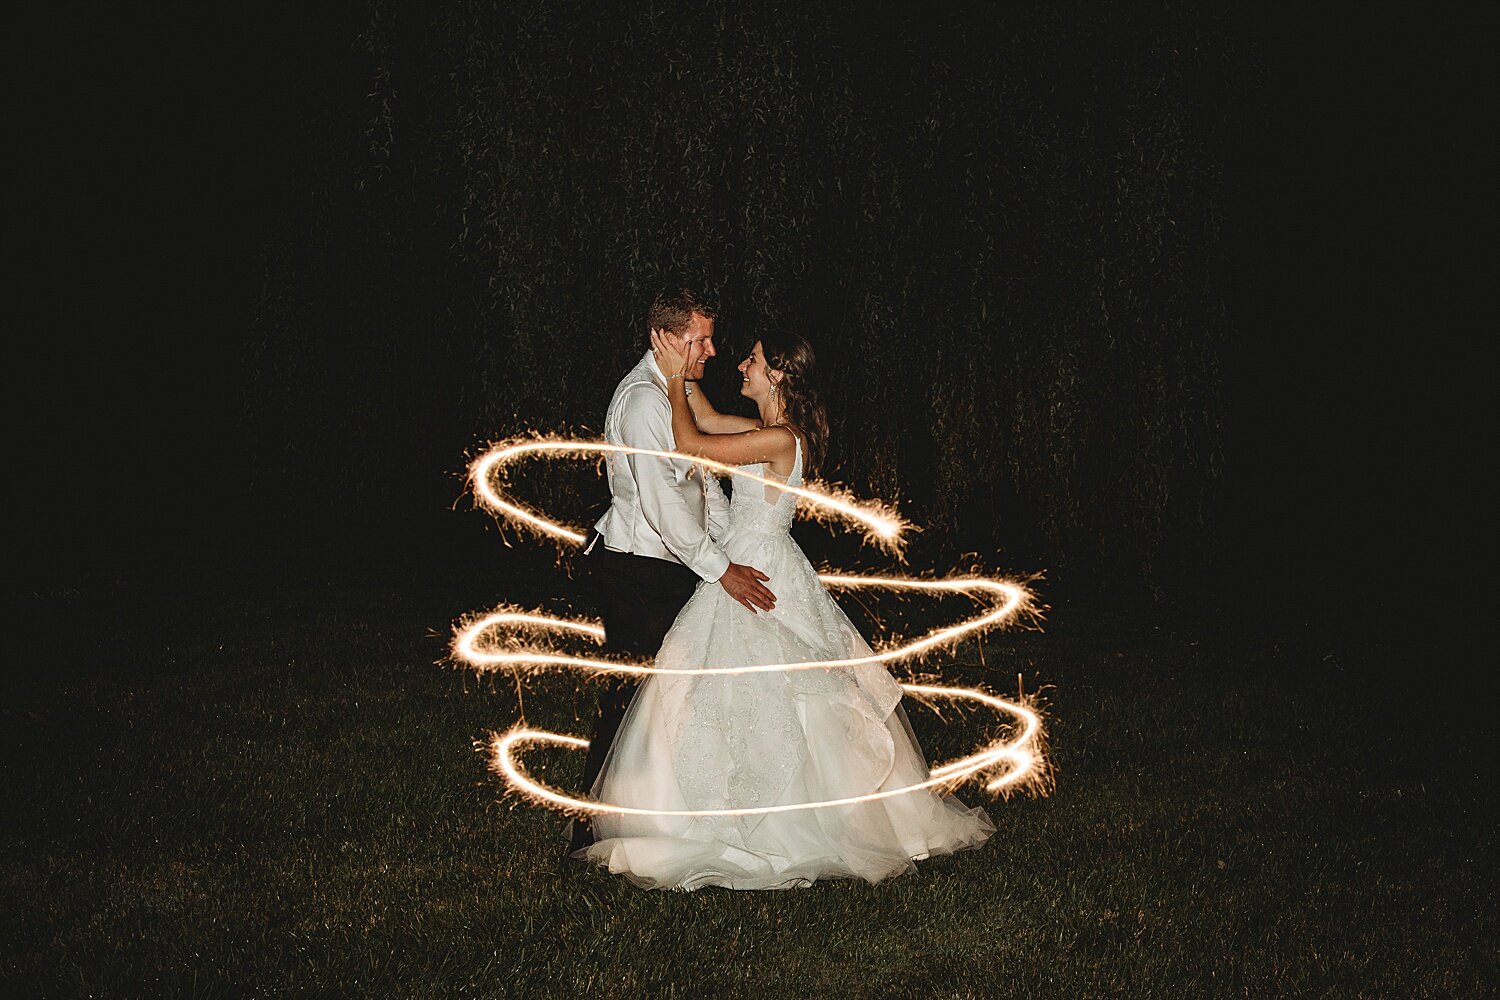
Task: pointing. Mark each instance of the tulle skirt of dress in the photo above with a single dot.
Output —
(766, 739)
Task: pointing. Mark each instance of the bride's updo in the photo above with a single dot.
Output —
(793, 356)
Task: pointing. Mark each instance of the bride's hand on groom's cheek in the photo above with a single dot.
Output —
(660, 351)
(669, 355)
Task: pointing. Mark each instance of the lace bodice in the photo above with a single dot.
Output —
(749, 508)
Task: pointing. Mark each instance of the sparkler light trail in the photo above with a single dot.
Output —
(881, 524)
(1016, 756)
(517, 640)
(468, 647)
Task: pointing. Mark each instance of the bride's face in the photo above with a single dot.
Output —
(757, 374)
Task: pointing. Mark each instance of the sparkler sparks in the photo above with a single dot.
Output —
(1015, 756)
(516, 640)
(881, 524)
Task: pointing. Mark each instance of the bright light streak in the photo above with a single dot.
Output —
(881, 524)
(1017, 756)
(1010, 600)
(508, 639)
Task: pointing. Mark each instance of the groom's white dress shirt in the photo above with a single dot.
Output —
(663, 508)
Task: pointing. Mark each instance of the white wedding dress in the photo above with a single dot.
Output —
(740, 741)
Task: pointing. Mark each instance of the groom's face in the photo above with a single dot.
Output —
(700, 331)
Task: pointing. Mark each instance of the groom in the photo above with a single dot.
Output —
(657, 540)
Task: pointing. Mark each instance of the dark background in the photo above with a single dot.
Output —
(248, 325)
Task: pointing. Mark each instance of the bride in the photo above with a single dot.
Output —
(746, 741)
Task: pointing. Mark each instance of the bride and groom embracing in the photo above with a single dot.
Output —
(694, 579)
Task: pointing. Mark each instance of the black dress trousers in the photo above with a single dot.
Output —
(639, 598)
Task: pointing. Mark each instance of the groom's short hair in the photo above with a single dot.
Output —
(672, 310)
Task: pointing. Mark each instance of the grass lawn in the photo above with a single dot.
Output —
(269, 787)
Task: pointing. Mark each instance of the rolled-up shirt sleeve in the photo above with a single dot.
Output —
(718, 507)
(645, 421)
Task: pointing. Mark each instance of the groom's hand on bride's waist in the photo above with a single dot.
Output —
(744, 585)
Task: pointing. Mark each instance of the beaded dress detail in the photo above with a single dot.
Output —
(743, 741)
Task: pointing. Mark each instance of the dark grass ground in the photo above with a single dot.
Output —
(266, 786)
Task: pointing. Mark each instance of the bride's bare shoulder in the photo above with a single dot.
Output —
(785, 455)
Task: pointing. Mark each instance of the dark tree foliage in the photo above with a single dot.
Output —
(999, 227)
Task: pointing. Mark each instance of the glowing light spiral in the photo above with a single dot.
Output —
(881, 524)
(515, 639)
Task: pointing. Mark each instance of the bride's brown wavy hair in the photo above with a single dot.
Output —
(793, 356)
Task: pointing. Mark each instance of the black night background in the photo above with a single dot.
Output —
(1185, 305)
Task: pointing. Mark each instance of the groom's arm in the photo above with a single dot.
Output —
(718, 506)
(645, 421)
